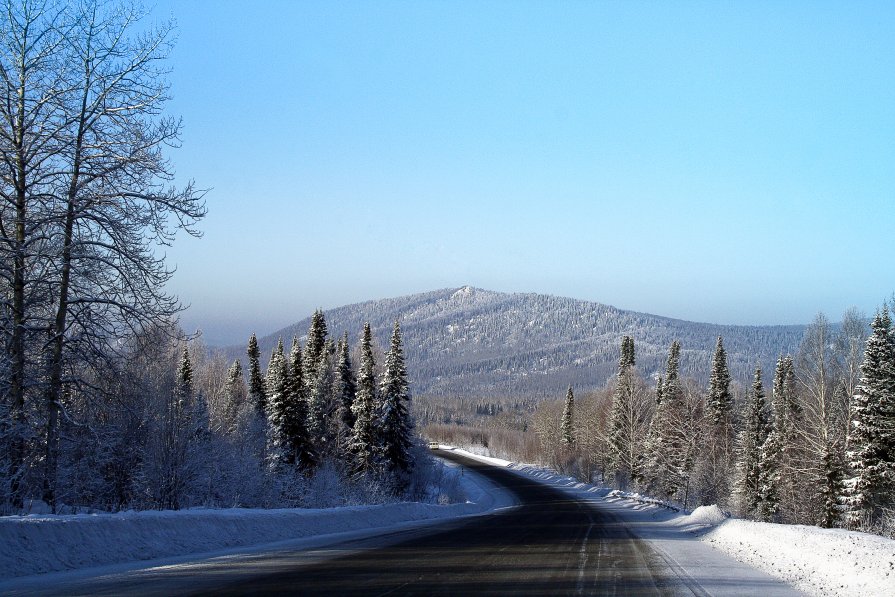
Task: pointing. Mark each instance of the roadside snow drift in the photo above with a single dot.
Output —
(45, 543)
(814, 560)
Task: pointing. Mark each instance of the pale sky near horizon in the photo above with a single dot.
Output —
(728, 162)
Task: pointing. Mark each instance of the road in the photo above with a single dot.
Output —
(550, 544)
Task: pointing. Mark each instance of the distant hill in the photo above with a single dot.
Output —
(477, 343)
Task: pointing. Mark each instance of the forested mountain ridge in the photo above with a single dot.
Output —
(476, 343)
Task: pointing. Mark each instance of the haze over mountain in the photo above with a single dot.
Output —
(475, 343)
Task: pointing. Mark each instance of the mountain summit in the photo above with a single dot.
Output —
(476, 343)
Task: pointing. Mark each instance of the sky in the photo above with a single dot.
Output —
(726, 162)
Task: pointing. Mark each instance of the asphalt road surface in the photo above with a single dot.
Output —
(549, 544)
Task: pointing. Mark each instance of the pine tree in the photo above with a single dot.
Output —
(236, 393)
(871, 439)
(319, 390)
(752, 439)
(720, 401)
(567, 426)
(303, 452)
(769, 458)
(671, 458)
(257, 388)
(786, 422)
(717, 451)
(363, 437)
(278, 415)
(346, 385)
(627, 420)
(395, 426)
(314, 347)
(833, 487)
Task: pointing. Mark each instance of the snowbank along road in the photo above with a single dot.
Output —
(549, 544)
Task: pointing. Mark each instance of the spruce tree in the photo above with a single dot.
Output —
(314, 347)
(567, 425)
(395, 426)
(363, 437)
(753, 437)
(319, 390)
(626, 421)
(303, 451)
(236, 393)
(720, 401)
(257, 388)
(346, 384)
(717, 451)
(278, 416)
(787, 446)
(670, 458)
(871, 438)
(769, 474)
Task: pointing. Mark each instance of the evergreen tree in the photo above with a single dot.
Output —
(833, 487)
(720, 401)
(395, 425)
(319, 391)
(671, 457)
(871, 439)
(769, 478)
(278, 412)
(717, 454)
(236, 393)
(303, 452)
(257, 389)
(363, 437)
(752, 439)
(627, 420)
(567, 426)
(314, 347)
(787, 447)
(346, 385)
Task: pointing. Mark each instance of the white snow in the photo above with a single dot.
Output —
(814, 560)
(41, 543)
(817, 561)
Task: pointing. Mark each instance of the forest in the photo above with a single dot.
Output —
(811, 442)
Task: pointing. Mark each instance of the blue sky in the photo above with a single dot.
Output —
(730, 162)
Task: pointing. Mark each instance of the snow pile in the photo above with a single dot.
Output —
(41, 543)
(817, 561)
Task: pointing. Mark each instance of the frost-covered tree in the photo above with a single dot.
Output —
(716, 457)
(752, 438)
(302, 442)
(279, 405)
(363, 437)
(670, 453)
(346, 387)
(257, 387)
(567, 425)
(871, 440)
(236, 395)
(784, 453)
(627, 420)
(395, 425)
(720, 400)
(314, 348)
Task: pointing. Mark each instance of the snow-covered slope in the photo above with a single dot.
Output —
(478, 343)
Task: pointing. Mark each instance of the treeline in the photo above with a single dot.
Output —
(177, 427)
(814, 446)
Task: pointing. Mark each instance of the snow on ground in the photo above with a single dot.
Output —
(815, 560)
(40, 543)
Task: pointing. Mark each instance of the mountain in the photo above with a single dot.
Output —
(470, 342)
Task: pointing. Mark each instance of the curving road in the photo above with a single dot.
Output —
(550, 544)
